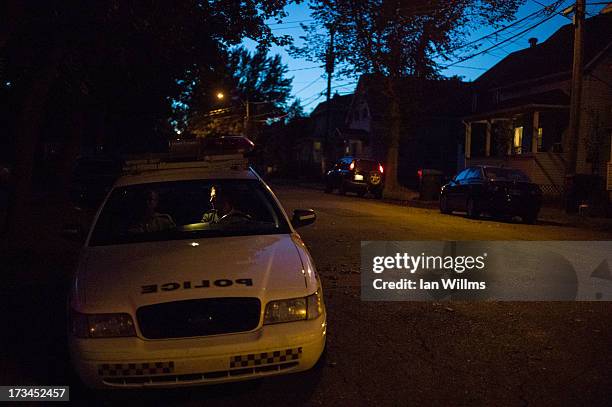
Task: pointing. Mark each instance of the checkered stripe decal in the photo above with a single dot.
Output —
(265, 358)
(135, 369)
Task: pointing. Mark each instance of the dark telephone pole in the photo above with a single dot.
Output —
(576, 88)
(575, 105)
(329, 68)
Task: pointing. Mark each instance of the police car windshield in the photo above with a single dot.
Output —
(187, 210)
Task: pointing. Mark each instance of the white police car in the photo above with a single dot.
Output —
(191, 276)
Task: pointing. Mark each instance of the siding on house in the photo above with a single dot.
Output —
(537, 79)
(596, 118)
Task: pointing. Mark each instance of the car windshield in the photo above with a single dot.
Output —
(509, 174)
(187, 210)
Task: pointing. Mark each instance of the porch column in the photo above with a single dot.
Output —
(488, 139)
(534, 132)
(468, 140)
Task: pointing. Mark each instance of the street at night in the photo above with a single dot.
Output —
(306, 202)
(385, 353)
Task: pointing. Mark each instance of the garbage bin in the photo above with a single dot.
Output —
(583, 189)
(430, 182)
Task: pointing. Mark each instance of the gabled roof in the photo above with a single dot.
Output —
(553, 56)
(337, 102)
(431, 97)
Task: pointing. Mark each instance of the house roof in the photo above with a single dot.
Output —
(552, 56)
(552, 97)
(337, 102)
(431, 97)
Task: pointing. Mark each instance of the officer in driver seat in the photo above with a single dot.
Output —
(222, 202)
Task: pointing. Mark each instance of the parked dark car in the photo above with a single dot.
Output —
(497, 191)
(359, 175)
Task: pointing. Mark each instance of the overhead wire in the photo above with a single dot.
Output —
(501, 42)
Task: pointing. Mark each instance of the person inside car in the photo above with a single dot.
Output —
(224, 208)
(151, 220)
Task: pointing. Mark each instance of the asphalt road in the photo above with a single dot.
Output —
(379, 353)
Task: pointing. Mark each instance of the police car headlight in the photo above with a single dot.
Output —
(295, 309)
(102, 325)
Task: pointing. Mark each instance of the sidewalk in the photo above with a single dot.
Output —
(553, 215)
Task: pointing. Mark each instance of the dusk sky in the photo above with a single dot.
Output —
(309, 82)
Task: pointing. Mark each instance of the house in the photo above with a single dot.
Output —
(431, 123)
(520, 109)
(310, 149)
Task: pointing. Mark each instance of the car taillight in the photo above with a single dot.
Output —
(352, 166)
(380, 168)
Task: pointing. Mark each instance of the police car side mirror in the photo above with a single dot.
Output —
(303, 217)
(73, 232)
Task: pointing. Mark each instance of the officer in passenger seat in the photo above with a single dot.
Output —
(151, 220)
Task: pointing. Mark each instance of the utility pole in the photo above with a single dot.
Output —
(329, 68)
(246, 119)
(576, 88)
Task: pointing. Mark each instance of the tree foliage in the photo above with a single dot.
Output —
(110, 69)
(255, 78)
(395, 39)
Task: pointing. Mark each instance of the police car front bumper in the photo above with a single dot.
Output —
(134, 362)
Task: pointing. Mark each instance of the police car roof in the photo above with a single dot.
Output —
(183, 174)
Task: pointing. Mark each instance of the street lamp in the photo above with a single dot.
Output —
(220, 96)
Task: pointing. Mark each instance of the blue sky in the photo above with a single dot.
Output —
(309, 81)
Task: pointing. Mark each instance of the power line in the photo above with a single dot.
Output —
(560, 13)
(314, 100)
(342, 86)
(309, 85)
(502, 42)
(286, 28)
(313, 97)
(471, 67)
(304, 69)
(292, 22)
(497, 32)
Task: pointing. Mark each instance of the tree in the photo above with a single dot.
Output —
(394, 39)
(117, 63)
(256, 79)
(295, 111)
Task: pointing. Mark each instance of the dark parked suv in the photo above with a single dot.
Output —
(494, 190)
(359, 175)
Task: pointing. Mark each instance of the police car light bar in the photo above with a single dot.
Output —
(212, 162)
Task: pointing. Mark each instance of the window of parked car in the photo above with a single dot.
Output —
(509, 174)
(474, 174)
(462, 175)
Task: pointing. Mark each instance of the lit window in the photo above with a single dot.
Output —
(540, 139)
(518, 140)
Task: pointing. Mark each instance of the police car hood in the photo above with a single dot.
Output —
(121, 278)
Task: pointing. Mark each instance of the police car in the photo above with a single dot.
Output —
(192, 273)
